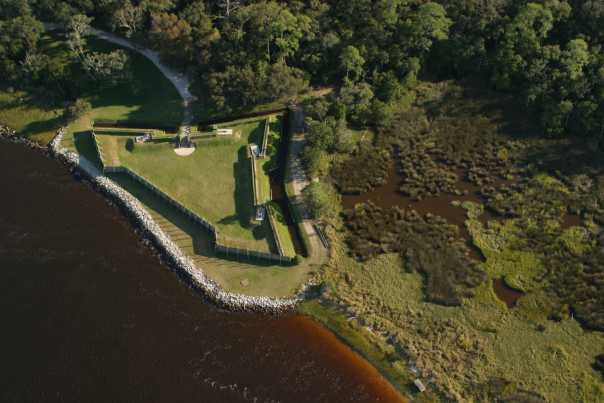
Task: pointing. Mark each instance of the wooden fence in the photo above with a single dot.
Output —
(252, 159)
(252, 254)
(196, 218)
(267, 127)
(218, 247)
(270, 212)
(99, 150)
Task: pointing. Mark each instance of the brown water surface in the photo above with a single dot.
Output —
(388, 195)
(571, 220)
(90, 314)
(506, 293)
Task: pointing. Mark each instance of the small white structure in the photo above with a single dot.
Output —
(419, 385)
(224, 132)
(255, 150)
(260, 213)
(143, 139)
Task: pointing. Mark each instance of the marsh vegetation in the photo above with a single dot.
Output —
(530, 206)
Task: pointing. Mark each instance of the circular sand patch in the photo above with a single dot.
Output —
(183, 152)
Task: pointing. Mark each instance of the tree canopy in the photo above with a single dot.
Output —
(548, 52)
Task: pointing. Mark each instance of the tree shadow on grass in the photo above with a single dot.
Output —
(232, 219)
(244, 198)
(256, 134)
(42, 126)
(84, 144)
(201, 238)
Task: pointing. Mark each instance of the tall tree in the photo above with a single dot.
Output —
(271, 26)
(352, 62)
(128, 18)
(428, 24)
(171, 35)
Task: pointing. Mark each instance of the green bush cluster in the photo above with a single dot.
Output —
(366, 168)
(427, 245)
(599, 364)
(534, 251)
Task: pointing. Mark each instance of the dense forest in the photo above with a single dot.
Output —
(547, 53)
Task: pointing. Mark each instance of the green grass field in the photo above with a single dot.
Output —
(263, 183)
(282, 230)
(136, 100)
(36, 121)
(31, 116)
(214, 182)
(233, 276)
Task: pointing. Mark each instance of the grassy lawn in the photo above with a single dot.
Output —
(30, 115)
(233, 276)
(214, 182)
(263, 183)
(148, 98)
(109, 146)
(282, 230)
(31, 119)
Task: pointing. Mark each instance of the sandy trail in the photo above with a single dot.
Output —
(180, 80)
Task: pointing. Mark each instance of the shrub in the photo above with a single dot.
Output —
(322, 199)
(598, 364)
(365, 169)
(77, 109)
(130, 145)
(316, 161)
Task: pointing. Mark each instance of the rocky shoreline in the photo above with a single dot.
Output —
(151, 231)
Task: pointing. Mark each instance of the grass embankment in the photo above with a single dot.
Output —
(233, 276)
(282, 230)
(205, 112)
(263, 182)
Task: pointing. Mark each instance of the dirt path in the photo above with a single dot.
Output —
(295, 171)
(180, 80)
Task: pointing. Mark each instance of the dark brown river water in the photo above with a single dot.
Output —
(89, 314)
(388, 195)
